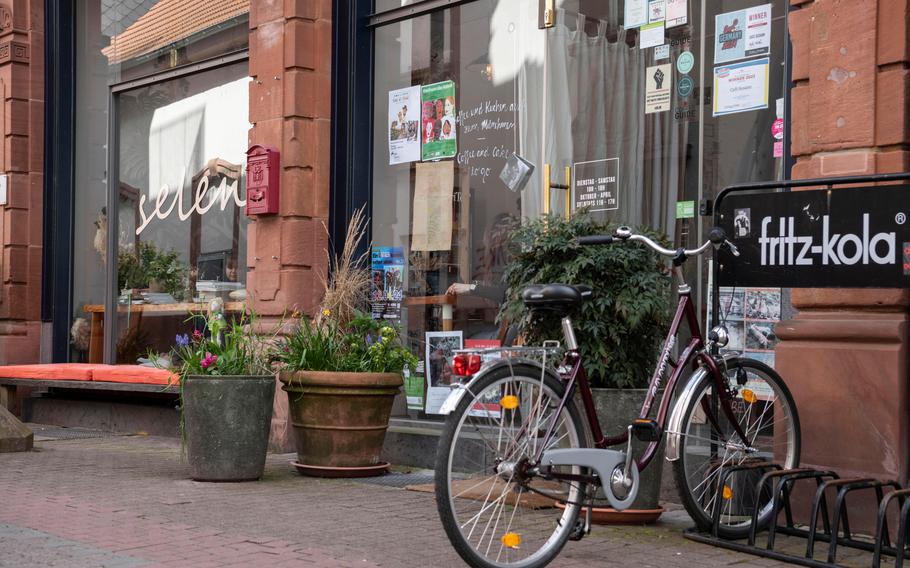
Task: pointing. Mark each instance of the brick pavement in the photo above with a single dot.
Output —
(127, 501)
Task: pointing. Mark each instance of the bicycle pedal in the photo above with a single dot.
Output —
(646, 430)
(582, 526)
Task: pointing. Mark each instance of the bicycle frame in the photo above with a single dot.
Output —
(694, 352)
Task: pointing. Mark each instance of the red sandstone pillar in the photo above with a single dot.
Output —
(845, 354)
(21, 159)
(290, 108)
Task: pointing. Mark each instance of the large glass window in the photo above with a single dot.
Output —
(473, 104)
(178, 227)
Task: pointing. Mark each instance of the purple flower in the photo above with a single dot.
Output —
(208, 360)
(182, 340)
(369, 339)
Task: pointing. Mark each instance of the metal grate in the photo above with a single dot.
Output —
(400, 480)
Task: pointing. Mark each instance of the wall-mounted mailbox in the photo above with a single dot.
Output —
(263, 170)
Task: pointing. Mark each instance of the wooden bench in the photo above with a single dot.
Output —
(84, 376)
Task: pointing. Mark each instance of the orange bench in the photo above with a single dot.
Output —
(132, 378)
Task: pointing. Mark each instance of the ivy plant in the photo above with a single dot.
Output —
(621, 328)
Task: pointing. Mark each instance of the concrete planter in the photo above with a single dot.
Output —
(340, 420)
(226, 426)
(616, 408)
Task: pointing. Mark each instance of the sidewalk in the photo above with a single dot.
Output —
(126, 501)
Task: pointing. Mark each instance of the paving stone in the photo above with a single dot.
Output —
(127, 501)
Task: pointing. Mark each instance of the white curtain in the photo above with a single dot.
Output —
(587, 103)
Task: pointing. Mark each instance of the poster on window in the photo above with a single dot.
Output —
(387, 282)
(404, 125)
(750, 314)
(657, 88)
(677, 13)
(439, 139)
(742, 34)
(741, 87)
(441, 347)
(434, 184)
(596, 185)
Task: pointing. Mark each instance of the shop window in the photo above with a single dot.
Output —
(159, 168)
(473, 103)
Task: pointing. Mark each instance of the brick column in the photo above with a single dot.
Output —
(846, 353)
(21, 160)
(290, 108)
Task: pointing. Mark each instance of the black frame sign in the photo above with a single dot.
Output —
(832, 238)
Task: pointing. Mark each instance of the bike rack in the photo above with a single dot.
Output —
(835, 528)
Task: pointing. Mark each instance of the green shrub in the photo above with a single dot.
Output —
(621, 328)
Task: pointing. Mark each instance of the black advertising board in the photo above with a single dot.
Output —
(840, 238)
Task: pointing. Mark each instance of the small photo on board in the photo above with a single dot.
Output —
(731, 303)
(762, 304)
(760, 336)
(735, 331)
(441, 347)
(766, 357)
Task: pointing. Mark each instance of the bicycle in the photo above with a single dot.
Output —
(515, 444)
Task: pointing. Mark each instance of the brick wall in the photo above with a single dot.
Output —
(21, 158)
(290, 108)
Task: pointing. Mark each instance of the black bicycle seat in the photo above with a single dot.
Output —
(560, 297)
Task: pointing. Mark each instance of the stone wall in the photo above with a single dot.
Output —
(290, 108)
(22, 160)
(845, 354)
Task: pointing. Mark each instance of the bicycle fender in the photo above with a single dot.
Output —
(675, 424)
(460, 389)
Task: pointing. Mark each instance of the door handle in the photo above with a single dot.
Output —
(547, 14)
(549, 185)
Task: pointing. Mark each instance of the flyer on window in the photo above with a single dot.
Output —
(404, 125)
(635, 13)
(741, 87)
(387, 282)
(677, 13)
(441, 347)
(439, 137)
(742, 34)
(431, 227)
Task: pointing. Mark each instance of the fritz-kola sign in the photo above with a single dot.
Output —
(841, 238)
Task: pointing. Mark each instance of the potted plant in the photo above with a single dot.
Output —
(619, 330)
(226, 393)
(342, 372)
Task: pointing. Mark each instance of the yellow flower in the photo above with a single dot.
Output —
(326, 312)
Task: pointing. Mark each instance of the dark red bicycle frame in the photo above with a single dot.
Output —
(694, 351)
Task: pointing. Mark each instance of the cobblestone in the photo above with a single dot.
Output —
(126, 501)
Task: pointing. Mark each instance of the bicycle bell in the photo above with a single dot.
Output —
(719, 335)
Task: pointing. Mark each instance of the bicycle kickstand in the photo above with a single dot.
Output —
(583, 526)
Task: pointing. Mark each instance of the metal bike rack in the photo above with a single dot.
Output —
(835, 527)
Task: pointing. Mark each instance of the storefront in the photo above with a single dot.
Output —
(159, 145)
(644, 110)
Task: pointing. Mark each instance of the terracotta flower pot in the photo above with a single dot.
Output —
(340, 420)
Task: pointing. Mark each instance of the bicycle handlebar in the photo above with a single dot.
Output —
(716, 237)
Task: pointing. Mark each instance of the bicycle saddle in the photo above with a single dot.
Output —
(560, 297)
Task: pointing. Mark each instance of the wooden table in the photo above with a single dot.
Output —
(96, 341)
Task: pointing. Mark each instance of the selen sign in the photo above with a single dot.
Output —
(840, 238)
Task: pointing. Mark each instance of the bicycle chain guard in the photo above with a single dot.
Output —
(605, 463)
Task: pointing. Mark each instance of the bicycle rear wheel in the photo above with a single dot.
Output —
(495, 510)
(767, 415)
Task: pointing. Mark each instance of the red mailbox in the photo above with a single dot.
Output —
(263, 168)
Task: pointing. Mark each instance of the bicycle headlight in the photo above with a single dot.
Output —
(719, 335)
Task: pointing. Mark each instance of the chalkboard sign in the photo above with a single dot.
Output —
(841, 238)
(597, 185)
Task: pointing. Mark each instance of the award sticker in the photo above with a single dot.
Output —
(685, 62)
(684, 87)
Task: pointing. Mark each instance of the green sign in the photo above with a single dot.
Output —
(437, 121)
(685, 209)
(414, 390)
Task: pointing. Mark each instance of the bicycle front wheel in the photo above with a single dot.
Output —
(495, 509)
(766, 413)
